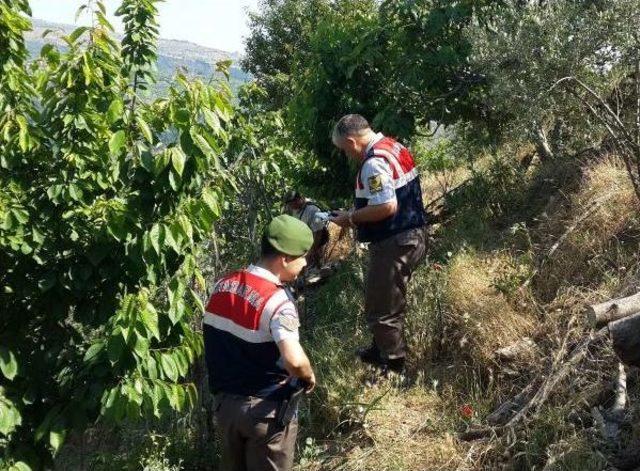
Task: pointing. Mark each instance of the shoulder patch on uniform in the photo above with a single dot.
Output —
(375, 183)
(289, 322)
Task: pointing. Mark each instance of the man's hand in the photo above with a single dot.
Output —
(341, 218)
(311, 383)
(296, 362)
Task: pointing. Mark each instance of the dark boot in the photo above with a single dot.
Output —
(396, 365)
(371, 355)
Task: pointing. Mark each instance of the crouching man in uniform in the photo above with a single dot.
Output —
(389, 214)
(307, 210)
(253, 353)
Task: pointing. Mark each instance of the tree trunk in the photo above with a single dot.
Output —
(603, 313)
(625, 334)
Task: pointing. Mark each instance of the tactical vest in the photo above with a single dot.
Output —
(406, 180)
(240, 353)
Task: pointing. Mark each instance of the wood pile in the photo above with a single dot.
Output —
(617, 321)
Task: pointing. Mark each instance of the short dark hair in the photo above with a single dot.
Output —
(349, 125)
(292, 195)
(267, 250)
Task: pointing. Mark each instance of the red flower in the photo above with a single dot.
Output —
(466, 411)
(437, 267)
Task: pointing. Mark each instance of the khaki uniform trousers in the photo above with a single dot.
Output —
(251, 439)
(391, 264)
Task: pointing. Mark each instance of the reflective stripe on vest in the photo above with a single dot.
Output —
(238, 302)
(406, 182)
(240, 353)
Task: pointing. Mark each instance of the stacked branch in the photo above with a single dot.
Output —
(526, 404)
(619, 319)
(622, 317)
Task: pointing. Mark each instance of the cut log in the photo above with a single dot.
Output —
(603, 313)
(625, 334)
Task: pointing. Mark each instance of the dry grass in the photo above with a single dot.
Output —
(435, 184)
(485, 307)
(482, 318)
(608, 186)
(595, 221)
(339, 246)
(407, 430)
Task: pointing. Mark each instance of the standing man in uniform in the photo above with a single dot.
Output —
(389, 214)
(253, 353)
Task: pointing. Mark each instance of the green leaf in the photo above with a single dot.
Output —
(56, 438)
(156, 237)
(197, 300)
(170, 240)
(187, 228)
(115, 111)
(174, 180)
(169, 367)
(54, 191)
(115, 346)
(23, 133)
(21, 215)
(158, 397)
(142, 345)
(20, 466)
(192, 395)
(10, 417)
(147, 160)
(77, 33)
(8, 363)
(75, 192)
(152, 368)
(45, 425)
(181, 116)
(178, 397)
(37, 236)
(149, 317)
(178, 159)
(202, 284)
(161, 161)
(79, 12)
(182, 363)
(176, 311)
(206, 149)
(93, 351)
(145, 130)
(210, 198)
(117, 142)
(212, 120)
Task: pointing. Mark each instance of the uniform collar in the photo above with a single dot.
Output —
(374, 140)
(263, 273)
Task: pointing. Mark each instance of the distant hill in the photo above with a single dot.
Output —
(172, 54)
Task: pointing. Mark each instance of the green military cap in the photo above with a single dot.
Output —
(289, 235)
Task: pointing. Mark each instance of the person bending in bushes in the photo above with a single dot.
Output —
(389, 215)
(255, 362)
(307, 210)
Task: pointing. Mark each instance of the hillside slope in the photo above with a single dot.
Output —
(173, 54)
(489, 283)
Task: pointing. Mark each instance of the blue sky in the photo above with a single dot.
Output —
(220, 24)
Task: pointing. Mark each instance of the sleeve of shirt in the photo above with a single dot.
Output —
(315, 224)
(377, 178)
(285, 323)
